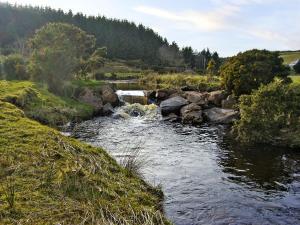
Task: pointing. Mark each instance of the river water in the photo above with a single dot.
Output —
(205, 178)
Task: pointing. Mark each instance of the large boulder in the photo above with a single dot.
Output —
(218, 115)
(229, 103)
(197, 97)
(191, 114)
(172, 105)
(216, 97)
(89, 97)
(109, 96)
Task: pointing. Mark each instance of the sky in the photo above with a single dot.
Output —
(225, 26)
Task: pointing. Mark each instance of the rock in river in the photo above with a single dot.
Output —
(191, 114)
(172, 105)
(218, 115)
(197, 97)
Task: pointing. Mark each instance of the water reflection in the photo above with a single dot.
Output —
(261, 166)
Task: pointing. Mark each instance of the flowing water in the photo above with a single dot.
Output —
(205, 179)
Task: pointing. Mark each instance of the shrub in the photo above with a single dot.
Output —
(270, 115)
(297, 67)
(14, 67)
(247, 71)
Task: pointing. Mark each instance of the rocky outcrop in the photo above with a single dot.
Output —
(229, 103)
(91, 98)
(216, 97)
(218, 115)
(109, 96)
(172, 105)
(172, 118)
(197, 97)
(191, 114)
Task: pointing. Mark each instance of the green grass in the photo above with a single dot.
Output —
(296, 78)
(41, 105)
(289, 57)
(47, 178)
(197, 82)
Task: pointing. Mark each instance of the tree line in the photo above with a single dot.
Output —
(123, 39)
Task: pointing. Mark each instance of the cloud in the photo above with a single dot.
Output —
(214, 20)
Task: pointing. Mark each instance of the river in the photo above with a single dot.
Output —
(205, 178)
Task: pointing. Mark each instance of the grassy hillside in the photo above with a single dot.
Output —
(289, 57)
(41, 105)
(47, 178)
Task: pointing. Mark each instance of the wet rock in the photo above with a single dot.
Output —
(109, 96)
(229, 103)
(89, 97)
(197, 97)
(191, 114)
(172, 118)
(164, 94)
(216, 97)
(108, 109)
(172, 105)
(218, 115)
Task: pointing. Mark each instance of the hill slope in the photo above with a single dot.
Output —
(124, 40)
(290, 57)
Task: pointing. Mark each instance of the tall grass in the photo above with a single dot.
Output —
(197, 82)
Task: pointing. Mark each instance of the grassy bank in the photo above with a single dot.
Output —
(41, 105)
(290, 57)
(197, 82)
(296, 79)
(47, 178)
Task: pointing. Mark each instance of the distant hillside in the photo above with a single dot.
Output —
(290, 56)
(123, 39)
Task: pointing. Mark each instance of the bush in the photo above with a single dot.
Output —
(270, 115)
(14, 67)
(297, 67)
(247, 71)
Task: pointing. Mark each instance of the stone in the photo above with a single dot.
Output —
(89, 97)
(229, 103)
(216, 97)
(108, 109)
(172, 118)
(109, 96)
(191, 114)
(197, 97)
(218, 115)
(172, 105)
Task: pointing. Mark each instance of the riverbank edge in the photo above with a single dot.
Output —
(24, 142)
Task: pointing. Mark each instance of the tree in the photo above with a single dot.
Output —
(57, 50)
(247, 71)
(211, 67)
(297, 67)
(14, 67)
(270, 114)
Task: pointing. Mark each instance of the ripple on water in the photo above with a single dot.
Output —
(205, 179)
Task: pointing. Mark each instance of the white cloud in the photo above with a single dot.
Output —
(214, 20)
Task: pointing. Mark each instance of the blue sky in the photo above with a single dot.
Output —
(226, 26)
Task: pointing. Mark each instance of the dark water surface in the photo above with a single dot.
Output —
(205, 179)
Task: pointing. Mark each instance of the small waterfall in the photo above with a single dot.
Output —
(135, 96)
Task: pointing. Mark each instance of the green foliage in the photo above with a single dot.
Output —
(270, 115)
(212, 67)
(58, 50)
(297, 67)
(47, 178)
(14, 67)
(41, 105)
(247, 71)
(196, 82)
